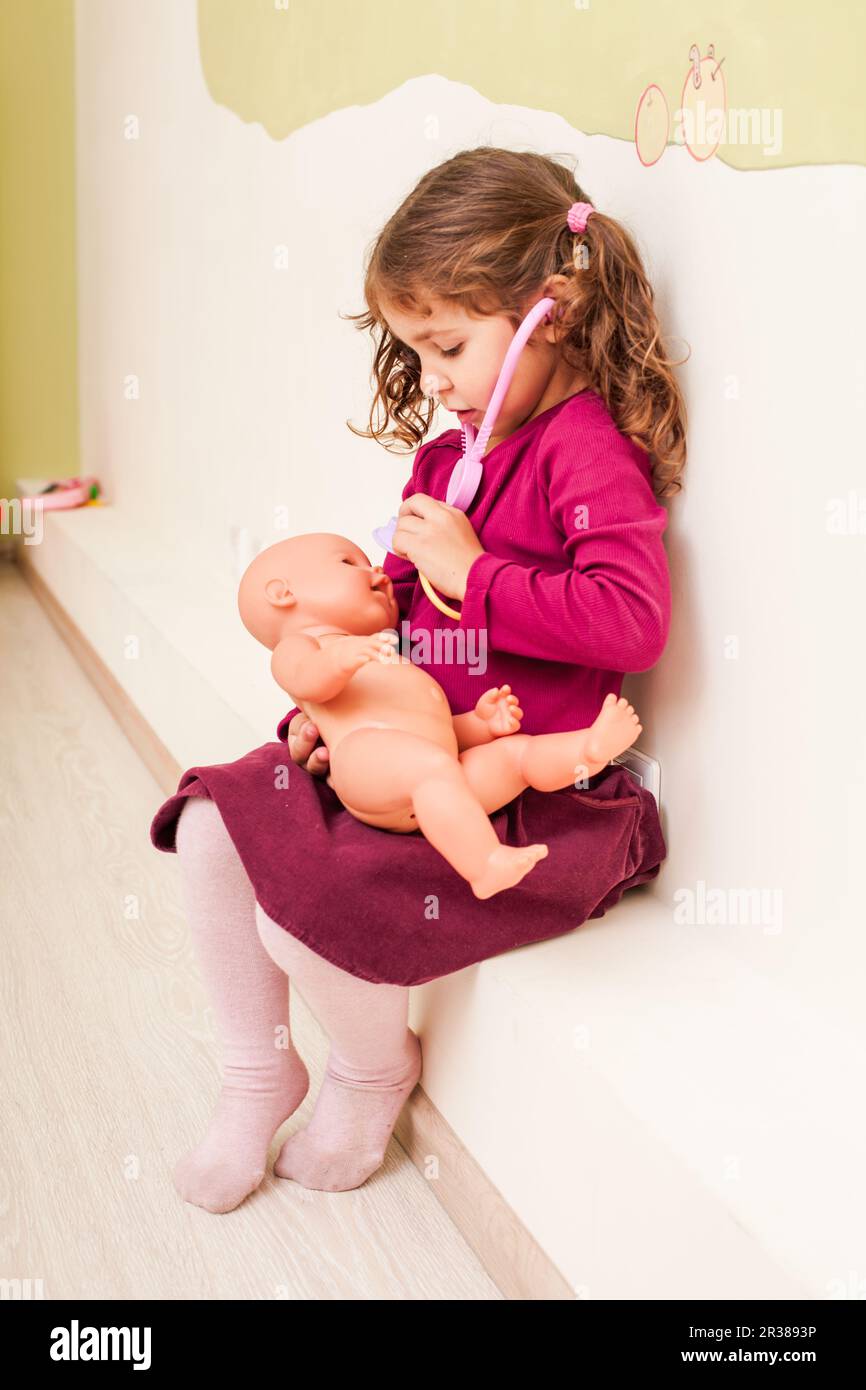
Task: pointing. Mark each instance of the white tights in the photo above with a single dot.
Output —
(365, 1022)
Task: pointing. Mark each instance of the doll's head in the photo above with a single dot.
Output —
(311, 580)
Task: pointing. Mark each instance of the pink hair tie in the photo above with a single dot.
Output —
(578, 214)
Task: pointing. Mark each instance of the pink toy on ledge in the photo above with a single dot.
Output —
(399, 759)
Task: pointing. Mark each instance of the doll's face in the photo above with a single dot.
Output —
(338, 584)
(314, 580)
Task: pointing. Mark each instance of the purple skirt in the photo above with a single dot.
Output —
(387, 907)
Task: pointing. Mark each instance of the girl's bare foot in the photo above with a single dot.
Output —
(506, 866)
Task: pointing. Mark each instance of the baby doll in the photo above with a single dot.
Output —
(399, 759)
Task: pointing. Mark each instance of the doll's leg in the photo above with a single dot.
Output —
(373, 1065)
(499, 771)
(264, 1079)
(374, 769)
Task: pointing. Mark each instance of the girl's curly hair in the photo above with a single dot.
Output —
(484, 230)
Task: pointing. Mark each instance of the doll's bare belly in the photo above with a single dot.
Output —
(382, 696)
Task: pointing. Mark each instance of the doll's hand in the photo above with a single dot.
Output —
(351, 653)
(500, 710)
(303, 748)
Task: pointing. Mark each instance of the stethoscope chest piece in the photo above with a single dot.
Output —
(463, 484)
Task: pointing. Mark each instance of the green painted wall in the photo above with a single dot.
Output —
(288, 62)
(38, 336)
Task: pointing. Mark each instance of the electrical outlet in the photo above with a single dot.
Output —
(646, 771)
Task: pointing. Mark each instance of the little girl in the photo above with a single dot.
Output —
(560, 570)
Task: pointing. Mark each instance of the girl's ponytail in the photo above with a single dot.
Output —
(607, 325)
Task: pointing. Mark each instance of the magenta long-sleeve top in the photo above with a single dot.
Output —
(573, 588)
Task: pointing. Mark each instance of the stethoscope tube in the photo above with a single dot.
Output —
(467, 472)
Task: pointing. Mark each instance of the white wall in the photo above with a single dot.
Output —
(247, 375)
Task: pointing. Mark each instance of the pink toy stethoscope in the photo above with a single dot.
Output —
(466, 475)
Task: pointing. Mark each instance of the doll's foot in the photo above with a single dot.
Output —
(506, 866)
(346, 1139)
(230, 1161)
(615, 729)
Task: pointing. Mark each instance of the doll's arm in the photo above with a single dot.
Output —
(307, 671)
(497, 713)
(470, 731)
(310, 672)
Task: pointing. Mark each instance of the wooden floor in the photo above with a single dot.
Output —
(110, 1062)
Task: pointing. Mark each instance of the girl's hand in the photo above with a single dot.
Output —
(438, 540)
(500, 710)
(303, 748)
